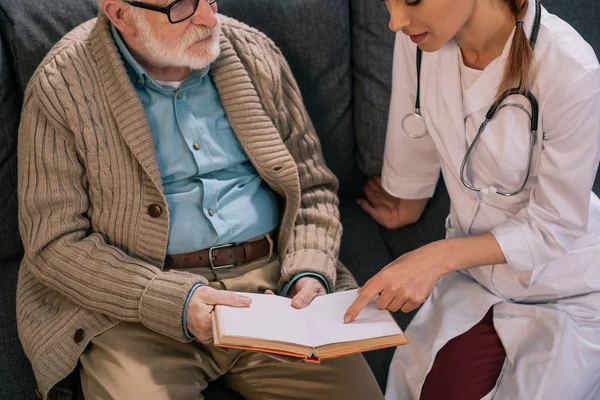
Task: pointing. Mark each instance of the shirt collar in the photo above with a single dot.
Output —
(139, 77)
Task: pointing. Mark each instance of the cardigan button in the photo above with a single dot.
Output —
(79, 335)
(155, 210)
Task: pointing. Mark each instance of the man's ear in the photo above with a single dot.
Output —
(119, 14)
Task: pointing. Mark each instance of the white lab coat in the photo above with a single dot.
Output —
(546, 299)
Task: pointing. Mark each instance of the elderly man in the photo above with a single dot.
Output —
(166, 160)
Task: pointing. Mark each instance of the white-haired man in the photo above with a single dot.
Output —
(166, 161)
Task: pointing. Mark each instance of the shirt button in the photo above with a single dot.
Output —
(155, 210)
(196, 146)
(211, 213)
(179, 95)
(139, 81)
(79, 335)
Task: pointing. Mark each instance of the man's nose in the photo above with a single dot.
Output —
(399, 18)
(206, 14)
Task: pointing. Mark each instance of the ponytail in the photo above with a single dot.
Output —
(521, 59)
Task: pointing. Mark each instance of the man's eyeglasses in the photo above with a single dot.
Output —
(177, 11)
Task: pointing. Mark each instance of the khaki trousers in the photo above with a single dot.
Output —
(130, 362)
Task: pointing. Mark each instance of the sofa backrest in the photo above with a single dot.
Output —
(28, 29)
(314, 36)
(10, 244)
(340, 52)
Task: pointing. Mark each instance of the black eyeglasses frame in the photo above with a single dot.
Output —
(166, 10)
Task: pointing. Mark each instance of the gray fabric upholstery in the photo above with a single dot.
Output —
(314, 36)
(32, 28)
(372, 53)
(16, 377)
(10, 243)
(583, 15)
(430, 226)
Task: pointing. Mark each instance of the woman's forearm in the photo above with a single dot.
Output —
(469, 252)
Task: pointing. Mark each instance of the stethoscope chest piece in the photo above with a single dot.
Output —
(414, 125)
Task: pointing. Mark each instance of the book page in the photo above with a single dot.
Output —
(325, 316)
(268, 317)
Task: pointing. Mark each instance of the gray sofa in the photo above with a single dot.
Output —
(340, 52)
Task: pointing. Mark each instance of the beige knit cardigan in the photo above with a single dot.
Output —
(88, 173)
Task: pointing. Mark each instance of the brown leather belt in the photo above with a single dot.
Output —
(224, 256)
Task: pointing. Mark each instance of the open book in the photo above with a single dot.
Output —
(270, 324)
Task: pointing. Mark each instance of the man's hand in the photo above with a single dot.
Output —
(202, 303)
(304, 291)
(387, 210)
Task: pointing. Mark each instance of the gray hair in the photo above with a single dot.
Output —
(102, 1)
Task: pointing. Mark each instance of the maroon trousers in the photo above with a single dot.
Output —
(468, 366)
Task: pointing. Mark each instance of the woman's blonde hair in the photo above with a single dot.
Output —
(521, 60)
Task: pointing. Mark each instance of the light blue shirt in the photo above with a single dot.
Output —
(214, 194)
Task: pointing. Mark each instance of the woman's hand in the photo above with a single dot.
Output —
(388, 210)
(404, 284)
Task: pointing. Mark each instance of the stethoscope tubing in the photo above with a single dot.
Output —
(417, 118)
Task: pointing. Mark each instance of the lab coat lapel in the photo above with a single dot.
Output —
(448, 83)
(448, 75)
(482, 93)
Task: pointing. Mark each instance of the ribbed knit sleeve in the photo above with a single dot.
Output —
(315, 239)
(61, 248)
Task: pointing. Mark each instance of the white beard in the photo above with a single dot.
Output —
(177, 54)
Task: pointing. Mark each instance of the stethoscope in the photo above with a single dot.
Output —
(414, 125)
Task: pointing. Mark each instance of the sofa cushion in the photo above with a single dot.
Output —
(27, 30)
(31, 28)
(10, 244)
(15, 373)
(314, 36)
(372, 53)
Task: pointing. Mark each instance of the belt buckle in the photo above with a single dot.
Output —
(211, 258)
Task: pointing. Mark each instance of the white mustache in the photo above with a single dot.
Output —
(199, 33)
